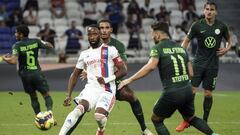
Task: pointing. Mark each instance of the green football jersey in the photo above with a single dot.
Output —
(209, 40)
(172, 64)
(27, 52)
(120, 47)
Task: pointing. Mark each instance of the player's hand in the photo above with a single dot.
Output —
(67, 101)
(124, 83)
(83, 75)
(222, 51)
(100, 80)
(6, 56)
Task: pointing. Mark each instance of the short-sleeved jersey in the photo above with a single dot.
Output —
(99, 62)
(27, 52)
(209, 40)
(172, 64)
(119, 46)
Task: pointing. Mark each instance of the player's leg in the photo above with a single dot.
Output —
(40, 84)
(209, 83)
(126, 94)
(162, 109)
(159, 125)
(104, 106)
(187, 110)
(196, 81)
(72, 118)
(34, 102)
(28, 88)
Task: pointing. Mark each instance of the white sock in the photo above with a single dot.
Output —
(101, 120)
(71, 120)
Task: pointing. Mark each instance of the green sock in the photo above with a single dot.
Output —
(138, 113)
(201, 125)
(161, 128)
(35, 105)
(48, 102)
(207, 105)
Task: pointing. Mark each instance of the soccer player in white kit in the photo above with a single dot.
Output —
(99, 61)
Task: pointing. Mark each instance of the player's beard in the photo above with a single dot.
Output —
(95, 44)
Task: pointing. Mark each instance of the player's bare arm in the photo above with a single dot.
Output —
(10, 59)
(71, 84)
(121, 72)
(222, 51)
(185, 42)
(48, 45)
(190, 70)
(145, 70)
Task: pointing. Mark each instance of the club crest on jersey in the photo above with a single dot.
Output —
(217, 31)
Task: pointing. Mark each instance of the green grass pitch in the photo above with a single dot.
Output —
(17, 118)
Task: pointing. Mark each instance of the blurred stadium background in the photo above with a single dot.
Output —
(175, 12)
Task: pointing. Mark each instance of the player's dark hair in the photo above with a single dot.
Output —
(94, 26)
(161, 26)
(210, 3)
(104, 21)
(23, 29)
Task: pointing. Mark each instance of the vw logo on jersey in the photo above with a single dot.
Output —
(210, 42)
(217, 31)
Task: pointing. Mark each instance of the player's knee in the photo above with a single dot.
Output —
(207, 93)
(100, 117)
(79, 109)
(156, 119)
(127, 95)
(194, 89)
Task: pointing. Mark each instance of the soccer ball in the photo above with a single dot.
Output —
(44, 120)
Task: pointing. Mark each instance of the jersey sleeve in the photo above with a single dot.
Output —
(114, 55)
(15, 50)
(155, 52)
(80, 63)
(113, 52)
(192, 31)
(122, 51)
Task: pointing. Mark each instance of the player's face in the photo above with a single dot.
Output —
(105, 29)
(210, 11)
(18, 35)
(155, 36)
(93, 36)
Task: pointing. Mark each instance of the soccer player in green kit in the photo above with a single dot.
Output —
(124, 94)
(174, 70)
(25, 53)
(209, 32)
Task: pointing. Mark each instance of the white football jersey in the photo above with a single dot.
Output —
(98, 62)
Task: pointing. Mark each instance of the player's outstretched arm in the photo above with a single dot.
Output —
(190, 70)
(145, 70)
(71, 84)
(10, 59)
(49, 45)
(185, 42)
